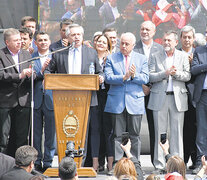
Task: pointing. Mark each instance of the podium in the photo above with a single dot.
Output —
(71, 99)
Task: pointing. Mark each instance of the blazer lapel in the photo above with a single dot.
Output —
(10, 59)
(162, 57)
(121, 62)
(83, 60)
(65, 59)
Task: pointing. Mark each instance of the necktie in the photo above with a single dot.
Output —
(126, 64)
(74, 60)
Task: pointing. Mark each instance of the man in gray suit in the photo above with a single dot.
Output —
(199, 69)
(147, 46)
(169, 70)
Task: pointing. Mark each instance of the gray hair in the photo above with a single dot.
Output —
(172, 32)
(187, 29)
(25, 155)
(200, 40)
(9, 32)
(131, 36)
(74, 26)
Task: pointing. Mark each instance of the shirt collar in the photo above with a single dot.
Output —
(13, 53)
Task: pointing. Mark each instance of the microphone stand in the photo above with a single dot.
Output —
(32, 82)
(32, 104)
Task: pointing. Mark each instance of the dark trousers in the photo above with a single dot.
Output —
(126, 122)
(14, 124)
(92, 141)
(106, 145)
(151, 128)
(44, 118)
(189, 134)
(201, 137)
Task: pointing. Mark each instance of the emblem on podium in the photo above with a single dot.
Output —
(70, 124)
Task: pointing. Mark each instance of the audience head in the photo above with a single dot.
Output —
(67, 169)
(187, 36)
(25, 157)
(72, 5)
(112, 35)
(63, 27)
(127, 43)
(103, 44)
(75, 34)
(12, 40)
(147, 31)
(29, 22)
(199, 40)
(26, 37)
(125, 167)
(153, 177)
(42, 41)
(170, 41)
(176, 164)
(37, 177)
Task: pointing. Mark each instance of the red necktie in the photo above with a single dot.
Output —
(126, 64)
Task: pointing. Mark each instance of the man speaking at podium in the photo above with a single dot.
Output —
(76, 60)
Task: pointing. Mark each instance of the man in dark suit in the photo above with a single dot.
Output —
(187, 37)
(199, 69)
(77, 61)
(109, 13)
(63, 42)
(25, 157)
(43, 106)
(14, 93)
(147, 47)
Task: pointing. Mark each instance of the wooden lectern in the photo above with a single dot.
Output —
(71, 98)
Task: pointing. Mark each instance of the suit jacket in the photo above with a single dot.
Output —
(56, 45)
(7, 163)
(59, 64)
(17, 173)
(159, 79)
(38, 87)
(13, 90)
(107, 15)
(199, 69)
(155, 47)
(190, 86)
(126, 94)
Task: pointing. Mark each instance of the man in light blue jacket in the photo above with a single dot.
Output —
(126, 71)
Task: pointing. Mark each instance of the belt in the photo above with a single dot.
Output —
(169, 93)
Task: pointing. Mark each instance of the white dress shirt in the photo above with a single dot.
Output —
(75, 60)
(169, 62)
(147, 49)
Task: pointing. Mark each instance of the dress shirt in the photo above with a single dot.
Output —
(44, 58)
(114, 11)
(15, 57)
(75, 60)
(169, 62)
(147, 49)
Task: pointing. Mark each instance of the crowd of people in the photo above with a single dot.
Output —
(135, 76)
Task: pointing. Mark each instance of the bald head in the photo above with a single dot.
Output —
(127, 44)
(147, 31)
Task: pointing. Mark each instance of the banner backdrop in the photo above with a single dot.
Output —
(124, 15)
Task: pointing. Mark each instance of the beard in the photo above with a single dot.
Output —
(167, 48)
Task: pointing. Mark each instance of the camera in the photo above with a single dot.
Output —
(71, 151)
